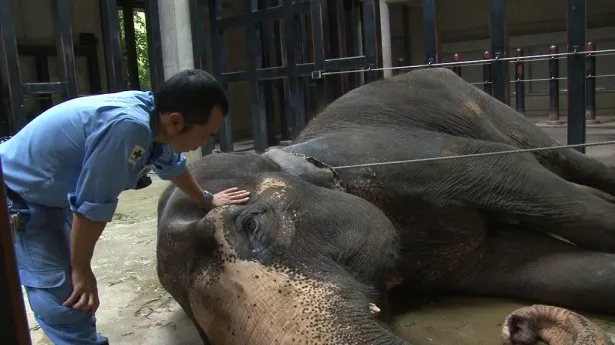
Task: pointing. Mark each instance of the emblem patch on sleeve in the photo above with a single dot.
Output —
(136, 154)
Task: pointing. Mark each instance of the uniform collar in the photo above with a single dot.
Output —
(153, 125)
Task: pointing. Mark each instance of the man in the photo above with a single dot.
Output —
(65, 170)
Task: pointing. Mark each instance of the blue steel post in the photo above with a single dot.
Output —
(499, 48)
(430, 29)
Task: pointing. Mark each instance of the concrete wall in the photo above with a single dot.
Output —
(532, 25)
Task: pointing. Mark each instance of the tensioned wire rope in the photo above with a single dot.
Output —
(473, 155)
(529, 58)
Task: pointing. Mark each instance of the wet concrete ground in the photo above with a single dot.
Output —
(136, 310)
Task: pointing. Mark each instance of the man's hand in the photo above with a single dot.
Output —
(231, 196)
(85, 291)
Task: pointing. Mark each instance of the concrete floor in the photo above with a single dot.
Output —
(136, 310)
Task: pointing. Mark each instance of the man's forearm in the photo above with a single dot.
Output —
(83, 237)
(187, 183)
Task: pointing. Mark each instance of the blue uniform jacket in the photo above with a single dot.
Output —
(81, 154)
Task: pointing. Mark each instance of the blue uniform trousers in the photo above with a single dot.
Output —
(42, 248)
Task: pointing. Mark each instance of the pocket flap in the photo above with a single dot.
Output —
(42, 279)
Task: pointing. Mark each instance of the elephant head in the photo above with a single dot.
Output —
(298, 264)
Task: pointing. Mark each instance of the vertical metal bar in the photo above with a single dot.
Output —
(293, 50)
(154, 43)
(319, 50)
(287, 53)
(430, 29)
(520, 83)
(219, 64)
(199, 46)
(94, 72)
(64, 46)
(281, 84)
(268, 84)
(131, 46)
(42, 75)
(499, 48)
(334, 82)
(554, 87)
(259, 117)
(338, 16)
(350, 12)
(590, 107)
(112, 45)
(371, 38)
(295, 19)
(304, 58)
(487, 83)
(14, 110)
(198, 8)
(576, 72)
(14, 326)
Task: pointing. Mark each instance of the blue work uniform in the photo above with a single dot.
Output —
(77, 156)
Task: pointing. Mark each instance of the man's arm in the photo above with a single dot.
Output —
(108, 168)
(172, 166)
(83, 237)
(187, 183)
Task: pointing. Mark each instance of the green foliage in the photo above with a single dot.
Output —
(141, 44)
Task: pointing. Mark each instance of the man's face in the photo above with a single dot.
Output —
(196, 136)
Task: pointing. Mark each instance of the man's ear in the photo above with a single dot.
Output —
(175, 120)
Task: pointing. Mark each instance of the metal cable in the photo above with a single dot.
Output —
(530, 58)
(598, 143)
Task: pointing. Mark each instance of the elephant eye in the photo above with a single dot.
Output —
(251, 225)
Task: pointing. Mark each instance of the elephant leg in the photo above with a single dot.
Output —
(532, 266)
(602, 195)
(580, 169)
(518, 188)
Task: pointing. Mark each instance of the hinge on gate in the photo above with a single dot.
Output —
(317, 74)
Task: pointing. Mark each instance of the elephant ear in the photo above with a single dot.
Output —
(306, 168)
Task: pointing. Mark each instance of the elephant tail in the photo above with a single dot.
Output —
(552, 325)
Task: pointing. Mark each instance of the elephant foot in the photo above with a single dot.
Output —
(531, 266)
(552, 325)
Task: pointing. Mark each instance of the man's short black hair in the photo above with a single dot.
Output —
(193, 93)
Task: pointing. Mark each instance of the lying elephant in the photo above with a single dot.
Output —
(312, 256)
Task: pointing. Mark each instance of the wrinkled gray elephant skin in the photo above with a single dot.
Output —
(314, 254)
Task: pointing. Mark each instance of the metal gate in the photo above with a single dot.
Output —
(14, 91)
(325, 26)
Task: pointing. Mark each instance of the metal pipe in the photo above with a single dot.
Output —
(554, 88)
(590, 85)
(519, 84)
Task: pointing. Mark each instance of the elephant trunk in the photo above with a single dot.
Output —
(552, 325)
